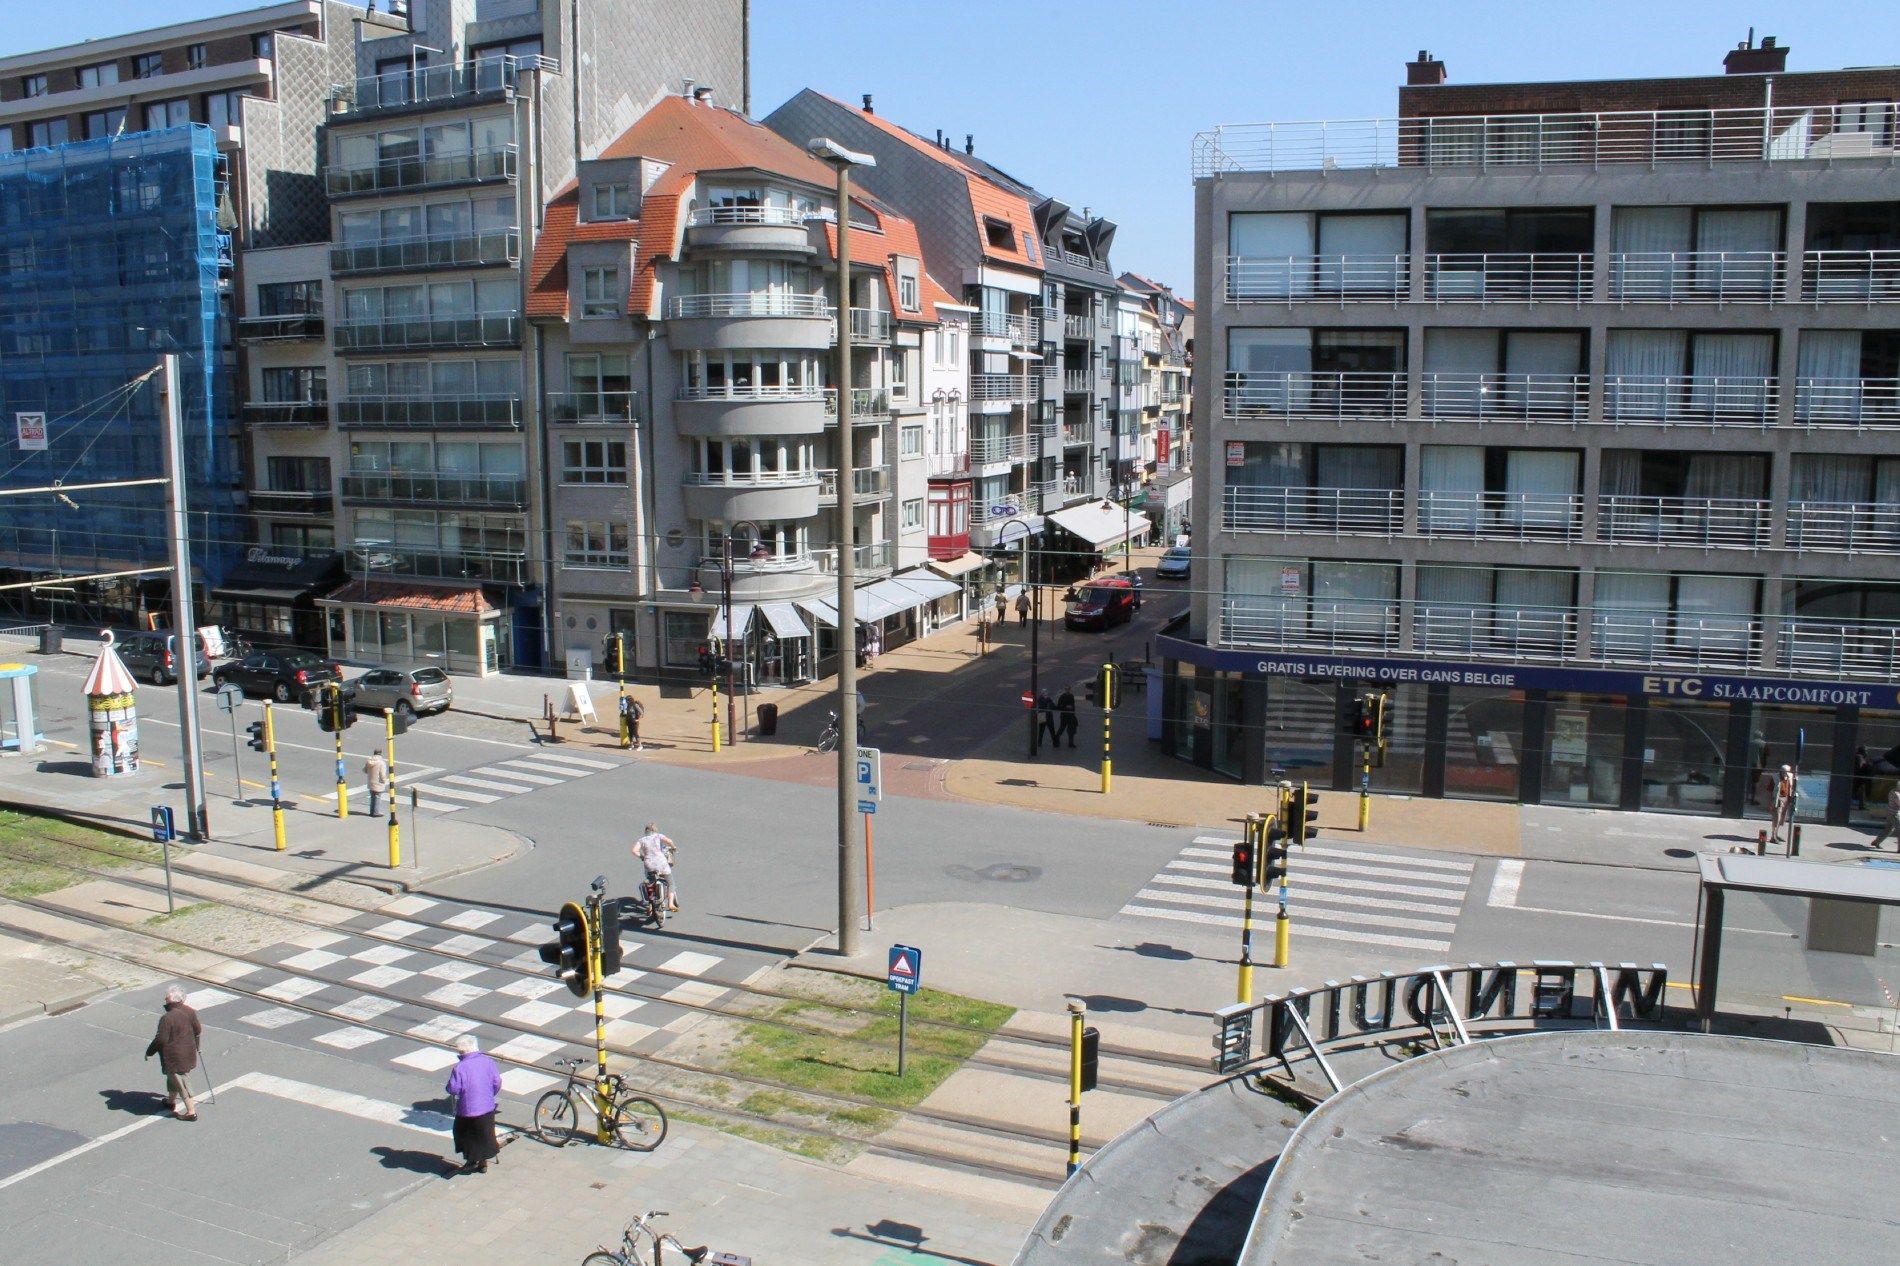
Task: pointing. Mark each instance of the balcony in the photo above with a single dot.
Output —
(1020, 330)
(870, 484)
(1078, 433)
(1358, 396)
(1316, 279)
(759, 495)
(1051, 495)
(987, 450)
(496, 249)
(1076, 382)
(1506, 397)
(1501, 516)
(282, 327)
(870, 325)
(1847, 402)
(766, 216)
(1642, 637)
(487, 329)
(1002, 388)
(1327, 511)
(1861, 648)
(1868, 277)
(1695, 522)
(423, 87)
(590, 408)
(750, 303)
(1483, 631)
(1349, 625)
(776, 320)
(1674, 277)
(874, 557)
(1849, 526)
(287, 414)
(751, 409)
(762, 228)
(870, 406)
(398, 487)
(381, 558)
(387, 175)
(1508, 278)
(291, 504)
(1529, 143)
(1674, 400)
(462, 413)
(1077, 326)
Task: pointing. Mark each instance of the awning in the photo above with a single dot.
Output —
(271, 570)
(961, 565)
(741, 620)
(870, 603)
(1100, 524)
(281, 595)
(821, 611)
(928, 588)
(784, 619)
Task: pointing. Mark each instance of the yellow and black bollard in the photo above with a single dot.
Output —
(276, 787)
(395, 831)
(1076, 1013)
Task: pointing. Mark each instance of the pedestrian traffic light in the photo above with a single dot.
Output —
(337, 713)
(1274, 855)
(614, 652)
(1302, 813)
(1093, 692)
(610, 951)
(1361, 719)
(568, 954)
(708, 662)
(1378, 730)
(1091, 1057)
(256, 730)
(1245, 859)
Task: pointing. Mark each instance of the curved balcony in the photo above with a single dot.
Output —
(752, 411)
(759, 319)
(749, 229)
(763, 496)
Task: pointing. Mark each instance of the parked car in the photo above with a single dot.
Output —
(283, 675)
(1176, 564)
(404, 691)
(154, 656)
(1101, 604)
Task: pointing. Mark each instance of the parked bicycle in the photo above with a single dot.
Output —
(629, 1253)
(636, 1121)
(828, 741)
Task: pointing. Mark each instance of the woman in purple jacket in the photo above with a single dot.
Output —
(473, 1086)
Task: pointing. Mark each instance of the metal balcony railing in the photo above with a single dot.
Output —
(1078, 433)
(433, 85)
(1484, 631)
(1018, 329)
(1840, 648)
(870, 325)
(1870, 276)
(486, 329)
(751, 478)
(1014, 388)
(1077, 326)
(1300, 393)
(1504, 516)
(1847, 402)
(448, 250)
(469, 412)
(869, 405)
(755, 392)
(272, 501)
(606, 408)
(1508, 278)
(1642, 637)
(875, 556)
(1697, 276)
(287, 413)
(1676, 400)
(1532, 142)
(1330, 511)
(1053, 494)
(872, 483)
(1076, 381)
(772, 216)
(750, 303)
(1702, 522)
(1516, 397)
(282, 326)
(1316, 624)
(1853, 526)
(413, 171)
(1317, 278)
(986, 449)
(507, 567)
(430, 487)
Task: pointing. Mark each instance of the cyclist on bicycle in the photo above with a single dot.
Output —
(655, 852)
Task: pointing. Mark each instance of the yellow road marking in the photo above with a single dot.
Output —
(1819, 1002)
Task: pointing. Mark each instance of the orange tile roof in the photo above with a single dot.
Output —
(547, 271)
(713, 138)
(389, 593)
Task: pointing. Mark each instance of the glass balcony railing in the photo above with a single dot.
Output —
(487, 329)
(605, 408)
(412, 171)
(381, 558)
(435, 487)
(418, 86)
(497, 248)
(466, 412)
(273, 414)
(290, 504)
(281, 326)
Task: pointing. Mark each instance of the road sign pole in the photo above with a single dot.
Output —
(903, 1030)
(237, 769)
(1365, 785)
(870, 881)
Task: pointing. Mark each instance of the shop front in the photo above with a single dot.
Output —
(976, 578)
(455, 628)
(270, 596)
(1596, 738)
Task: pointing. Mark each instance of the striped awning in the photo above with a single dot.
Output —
(784, 619)
(741, 621)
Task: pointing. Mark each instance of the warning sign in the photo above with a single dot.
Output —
(906, 969)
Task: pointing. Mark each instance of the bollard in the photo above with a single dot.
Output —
(1282, 938)
(1076, 1016)
(1794, 841)
(1761, 842)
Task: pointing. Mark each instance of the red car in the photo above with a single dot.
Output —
(1102, 604)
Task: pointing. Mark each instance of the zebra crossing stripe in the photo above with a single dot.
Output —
(562, 771)
(506, 788)
(473, 797)
(1348, 854)
(1337, 916)
(539, 780)
(564, 759)
(1449, 902)
(1301, 930)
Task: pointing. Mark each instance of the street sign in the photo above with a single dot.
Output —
(870, 780)
(230, 695)
(1029, 700)
(164, 829)
(906, 971)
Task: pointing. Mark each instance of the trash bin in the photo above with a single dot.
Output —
(768, 719)
(51, 642)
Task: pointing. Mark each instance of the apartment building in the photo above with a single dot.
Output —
(1042, 444)
(1564, 414)
(394, 392)
(1163, 331)
(686, 292)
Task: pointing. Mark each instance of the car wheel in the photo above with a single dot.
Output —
(160, 677)
(403, 710)
(282, 693)
(217, 681)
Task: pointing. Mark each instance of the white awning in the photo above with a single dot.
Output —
(1100, 523)
(881, 600)
(961, 565)
(741, 620)
(929, 588)
(784, 619)
(821, 611)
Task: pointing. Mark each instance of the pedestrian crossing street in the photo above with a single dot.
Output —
(424, 971)
(447, 793)
(1397, 899)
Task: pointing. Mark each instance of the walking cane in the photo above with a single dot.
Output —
(211, 1094)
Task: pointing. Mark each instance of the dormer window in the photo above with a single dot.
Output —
(999, 234)
(907, 292)
(612, 202)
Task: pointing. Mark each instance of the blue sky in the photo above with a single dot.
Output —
(1096, 103)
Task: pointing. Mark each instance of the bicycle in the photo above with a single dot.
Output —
(828, 741)
(628, 1254)
(637, 1122)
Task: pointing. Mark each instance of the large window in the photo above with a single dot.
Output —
(1343, 487)
(1484, 744)
(752, 459)
(1694, 253)
(42, 133)
(1467, 490)
(33, 85)
(1503, 373)
(224, 109)
(1289, 254)
(1298, 602)
(298, 474)
(1672, 374)
(682, 634)
(612, 201)
(1495, 611)
(101, 124)
(601, 295)
(148, 65)
(295, 385)
(750, 374)
(596, 544)
(593, 461)
(164, 114)
(1331, 372)
(98, 76)
(910, 441)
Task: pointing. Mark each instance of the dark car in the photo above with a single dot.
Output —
(283, 675)
(1176, 564)
(154, 656)
(1102, 604)
(404, 691)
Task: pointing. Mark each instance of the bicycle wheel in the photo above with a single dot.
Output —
(828, 741)
(639, 1123)
(555, 1118)
(603, 1259)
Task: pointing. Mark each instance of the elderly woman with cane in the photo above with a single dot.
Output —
(473, 1086)
(176, 1045)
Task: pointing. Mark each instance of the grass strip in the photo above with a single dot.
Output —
(44, 845)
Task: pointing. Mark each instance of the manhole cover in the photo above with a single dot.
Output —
(1001, 873)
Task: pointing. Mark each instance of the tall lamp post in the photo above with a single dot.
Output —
(850, 880)
(725, 595)
(1030, 578)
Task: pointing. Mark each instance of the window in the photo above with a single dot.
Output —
(594, 462)
(164, 114)
(592, 544)
(897, 373)
(907, 292)
(261, 44)
(101, 124)
(148, 65)
(295, 385)
(289, 298)
(910, 441)
(612, 202)
(33, 86)
(194, 57)
(303, 537)
(999, 234)
(222, 108)
(298, 474)
(600, 292)
(914, 514)
(98, 76)
(44, 132)
(1873, 119)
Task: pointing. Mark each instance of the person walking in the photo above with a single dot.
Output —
(1067, 724)
(376, 775)
(1863, 777)
(472, 1087)
(632, 709)
(1786, 789)
(176, 1045)
(655, 853)
(1893, 818)
(1047, 724)
(1002, 607)
(1022, 607)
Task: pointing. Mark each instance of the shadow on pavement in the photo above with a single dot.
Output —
(138, 1103)
(904, 1236)
(414, 1162)
(1109, 1002)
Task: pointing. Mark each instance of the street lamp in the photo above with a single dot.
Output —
(1030, 569)
(725, 590)
(842, 160)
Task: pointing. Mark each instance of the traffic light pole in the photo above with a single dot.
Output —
(335, 692)
(1246, 920)
(715, 706)
(1109, 695)
(184, 622)
(1365, 784)
(1283, 921)
(389, 750)
(1075, 1086)
(276, 787)
(603, 1097)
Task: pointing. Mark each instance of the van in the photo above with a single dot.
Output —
(154, 656)
(1101, 604)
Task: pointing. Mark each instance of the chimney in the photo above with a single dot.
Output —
(939, 138)
(969, 142)
(867, 104)
(1748, 58)
(1426, 72)
(703, 95)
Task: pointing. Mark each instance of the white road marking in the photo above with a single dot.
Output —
(540, 769)
(205, 999)
(350, 1038)
(541, 780)
(1337, 916)
(695, 993)
(526, 1049)
(275, 1018)
(470, 920)
(454, 971)
(454, 995)
(1301, 930)
(365, 1007)
(539, 1014)
(383, 955)
(408, 905)
(1350, 854)
(473, 797)
(618, 1005)
(429, 1059)
(487, 784)
(533, 934)
(1310, 888)
(463, 946)
(1504, 884)
(311, 960)
(565, 759)
(530, 987)
(380, 977)
(111, 1136)
(291, 990)
(444, 1028)
(395, 929)
(352, 1105)
(688, 964)
(525, 1081)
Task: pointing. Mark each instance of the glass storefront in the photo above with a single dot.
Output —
(1583, 750)
(1801, 737)
(1483, 744)
(1684, 757)
(1880, 745)
(1230, 734)
(1301, 724)
(1404, 770)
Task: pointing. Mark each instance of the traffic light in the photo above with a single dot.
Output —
(1378, 730)
(1091, 1057)
(1093, 691)
(1246, 859)
(337, 713)
(568, 954)
(256, 730)
(708, 662)
(614, 652)
(1360, 721)
(610, 952)
(1111, 686)
(1302, 815)
(1275, 855)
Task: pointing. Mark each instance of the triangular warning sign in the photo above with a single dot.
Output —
(900, 966)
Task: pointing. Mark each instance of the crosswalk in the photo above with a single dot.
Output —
(1395, 899)
(446, 793)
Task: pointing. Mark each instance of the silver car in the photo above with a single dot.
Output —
(404, 691)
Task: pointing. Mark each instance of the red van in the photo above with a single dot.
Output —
(1101, 604)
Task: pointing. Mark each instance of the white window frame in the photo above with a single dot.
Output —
(907, 292)
(602, 544)
(600, 291)
(910, 441)
(913, 514)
